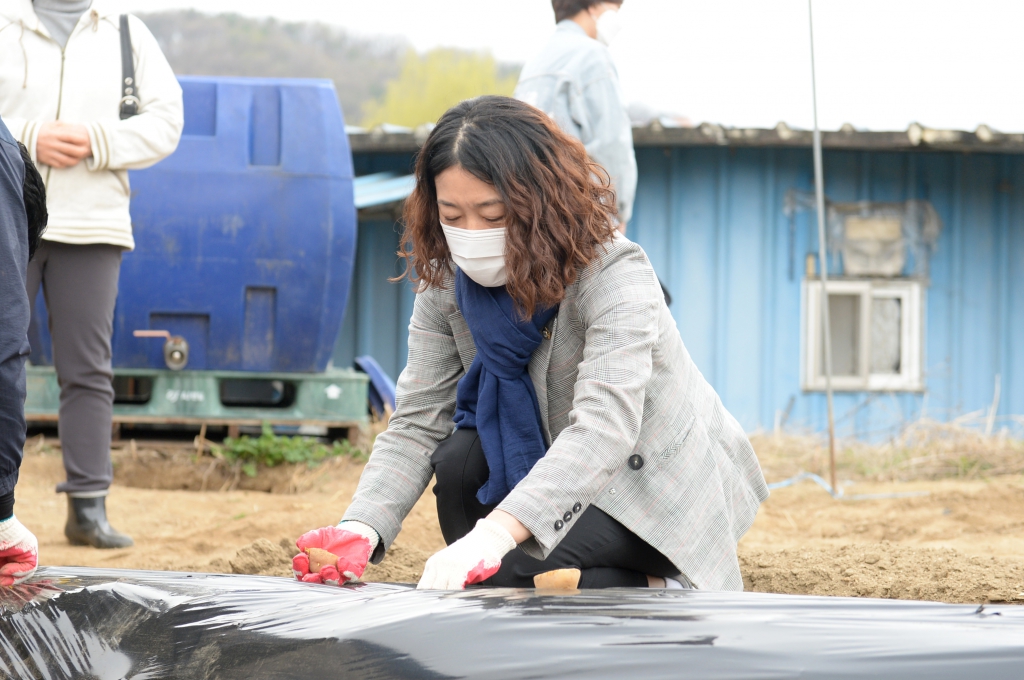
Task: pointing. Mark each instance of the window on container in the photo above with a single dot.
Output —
(886, 329)
(844, 322)
(875, 328)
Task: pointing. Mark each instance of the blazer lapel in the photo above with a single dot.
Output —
(463, 339)
(539, 363)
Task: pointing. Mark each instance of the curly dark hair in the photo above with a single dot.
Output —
(559, 205)
(567, 9)
(33, 194)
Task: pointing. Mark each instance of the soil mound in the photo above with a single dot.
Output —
(402, 564)
(179, 468)
(884, 570)
(264, 558)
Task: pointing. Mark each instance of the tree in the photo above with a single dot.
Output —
(429, 85)
(232, 45)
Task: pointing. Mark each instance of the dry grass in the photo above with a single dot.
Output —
(924, 449)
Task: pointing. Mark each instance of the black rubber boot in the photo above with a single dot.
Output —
(88, 525)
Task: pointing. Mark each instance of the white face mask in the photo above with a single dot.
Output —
(608, 26)
(479, 253)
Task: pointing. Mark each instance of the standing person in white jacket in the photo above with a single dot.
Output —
(61, 89)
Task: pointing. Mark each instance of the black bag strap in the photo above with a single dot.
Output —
(129, 89)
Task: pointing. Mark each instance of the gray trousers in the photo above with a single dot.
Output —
(80, 287)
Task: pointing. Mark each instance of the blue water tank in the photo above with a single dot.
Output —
(245, 236)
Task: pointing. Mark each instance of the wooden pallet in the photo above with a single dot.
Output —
(336, 400)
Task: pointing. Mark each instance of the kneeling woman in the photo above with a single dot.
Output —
(547, 385)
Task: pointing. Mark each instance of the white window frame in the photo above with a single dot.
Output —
(911, 296)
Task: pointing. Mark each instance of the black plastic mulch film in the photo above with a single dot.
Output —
(117, 624)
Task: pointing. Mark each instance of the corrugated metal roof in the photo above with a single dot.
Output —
(712, 220)
(915, 137)
(382, 188)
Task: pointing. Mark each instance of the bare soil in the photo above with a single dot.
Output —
(248, 527)
(960, 543)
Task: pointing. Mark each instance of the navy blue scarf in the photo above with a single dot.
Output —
(496, 395)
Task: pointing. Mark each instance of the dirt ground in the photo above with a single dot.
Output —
(959, 543)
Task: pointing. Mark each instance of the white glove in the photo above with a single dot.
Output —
(19, 552)
(473, 558)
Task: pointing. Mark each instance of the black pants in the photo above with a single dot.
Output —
(607, 554)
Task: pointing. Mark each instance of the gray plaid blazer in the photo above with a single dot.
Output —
(634, 428)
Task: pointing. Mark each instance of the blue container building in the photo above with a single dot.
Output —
(711, 214)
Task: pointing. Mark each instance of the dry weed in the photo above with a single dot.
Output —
(924, 449)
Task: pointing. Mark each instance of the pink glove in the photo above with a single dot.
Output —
(19, 552)
(473, 558)
(352, 542)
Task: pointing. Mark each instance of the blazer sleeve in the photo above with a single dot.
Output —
(399, 468)
(619, 310)
(152, 135)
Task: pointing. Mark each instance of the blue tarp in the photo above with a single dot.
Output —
(382, 188)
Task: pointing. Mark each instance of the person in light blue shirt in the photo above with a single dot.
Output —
(574, 80)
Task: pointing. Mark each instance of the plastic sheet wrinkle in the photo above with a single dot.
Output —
(137, 625)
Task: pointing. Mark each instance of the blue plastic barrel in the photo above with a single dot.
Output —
(245, 236)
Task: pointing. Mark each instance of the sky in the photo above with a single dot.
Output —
(881, 64)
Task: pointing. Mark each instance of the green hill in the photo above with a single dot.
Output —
(233, 45)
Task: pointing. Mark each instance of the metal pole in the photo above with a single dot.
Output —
(819, 192)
